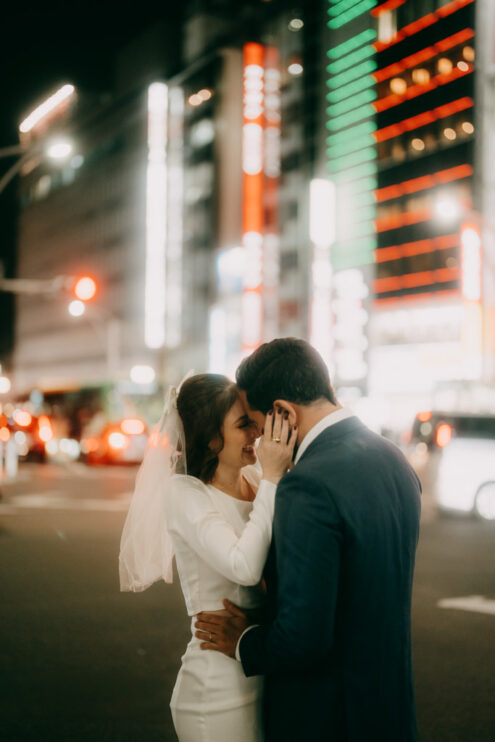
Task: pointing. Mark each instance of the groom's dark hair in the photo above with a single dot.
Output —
(286, 368)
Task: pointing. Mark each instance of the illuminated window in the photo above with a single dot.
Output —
(387, 26)
(467, 127)
(444, 66)
(468, 53)
(420, 76)
(418, 144)
(398, 85)
(449, 133)
(463, 66)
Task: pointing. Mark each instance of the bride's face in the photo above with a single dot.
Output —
(239, 433)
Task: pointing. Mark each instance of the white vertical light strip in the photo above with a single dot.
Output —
(174, 297)
(272, 165)
(322, 214)
(156, 217)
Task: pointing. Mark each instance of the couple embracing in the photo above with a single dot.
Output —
(295, 558)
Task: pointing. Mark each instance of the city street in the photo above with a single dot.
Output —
(81, 661)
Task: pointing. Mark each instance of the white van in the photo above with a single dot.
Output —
(454, 455)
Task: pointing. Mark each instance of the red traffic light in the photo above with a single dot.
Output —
(85, 288)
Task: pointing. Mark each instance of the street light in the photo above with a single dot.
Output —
(57, 150)
(85, 288)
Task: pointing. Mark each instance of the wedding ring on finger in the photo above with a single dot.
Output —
(277, 440)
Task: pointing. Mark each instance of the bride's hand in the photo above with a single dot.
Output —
(276, 446)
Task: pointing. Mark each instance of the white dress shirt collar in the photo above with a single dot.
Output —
(323, 424)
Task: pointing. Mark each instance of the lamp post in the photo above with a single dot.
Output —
(56, 149)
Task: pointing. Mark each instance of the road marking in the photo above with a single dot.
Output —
(55, 501)
(473, 603)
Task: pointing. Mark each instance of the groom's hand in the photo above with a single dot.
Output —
(222, 633)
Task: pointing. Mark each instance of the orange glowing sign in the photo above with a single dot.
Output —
(253, 122)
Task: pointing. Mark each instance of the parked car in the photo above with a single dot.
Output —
(31, 433)
(122, 442)
(454, 455)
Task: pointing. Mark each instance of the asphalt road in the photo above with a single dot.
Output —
(82, 662)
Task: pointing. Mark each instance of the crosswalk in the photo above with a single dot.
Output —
(30, 489)
(54, 500)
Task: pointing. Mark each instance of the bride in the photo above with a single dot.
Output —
(199, 495)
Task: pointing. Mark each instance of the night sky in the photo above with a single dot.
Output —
(45, 44)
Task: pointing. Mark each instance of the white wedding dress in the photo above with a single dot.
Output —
(220, 545)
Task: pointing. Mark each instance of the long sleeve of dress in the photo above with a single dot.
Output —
(192, 516)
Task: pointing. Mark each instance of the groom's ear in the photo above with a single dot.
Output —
(285, 406)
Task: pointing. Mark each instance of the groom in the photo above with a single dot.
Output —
(335, 647)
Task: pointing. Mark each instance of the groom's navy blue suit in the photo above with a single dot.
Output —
(336, 650)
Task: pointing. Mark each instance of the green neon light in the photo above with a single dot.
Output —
(365, 37)
(353, 58)
(336, 109)
(356, 158)
(367, 214)
(353, 12)
(340, 122)
(351, 146)
(362, 244)
(334, 96)
(351, 258)
(365, 68)
(365, 186)
(367, 127)
(336, 8)
(366, 168)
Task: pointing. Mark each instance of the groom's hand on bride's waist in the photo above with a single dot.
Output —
(222, 633)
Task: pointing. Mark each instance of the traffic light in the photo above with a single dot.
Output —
(85, 288)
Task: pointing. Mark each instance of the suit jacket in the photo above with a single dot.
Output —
(336, 652)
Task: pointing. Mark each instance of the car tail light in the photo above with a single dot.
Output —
(45, 431)
(89, 445)
(423, 417)
(132, 426)
(117, 440)
(443, 435)
(4, 435)
(22, 418)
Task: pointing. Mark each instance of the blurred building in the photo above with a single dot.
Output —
(414, 248)
(319, 171)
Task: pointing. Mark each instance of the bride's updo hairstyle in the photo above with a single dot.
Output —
(203, 403)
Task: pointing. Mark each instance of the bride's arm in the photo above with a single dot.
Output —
(193, 517)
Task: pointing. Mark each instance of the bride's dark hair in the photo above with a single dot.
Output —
(203, 403)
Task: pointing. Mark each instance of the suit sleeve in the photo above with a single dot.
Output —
(238, 558)
(308, 539)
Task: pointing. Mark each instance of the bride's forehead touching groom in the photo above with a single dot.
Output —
(334, 643)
